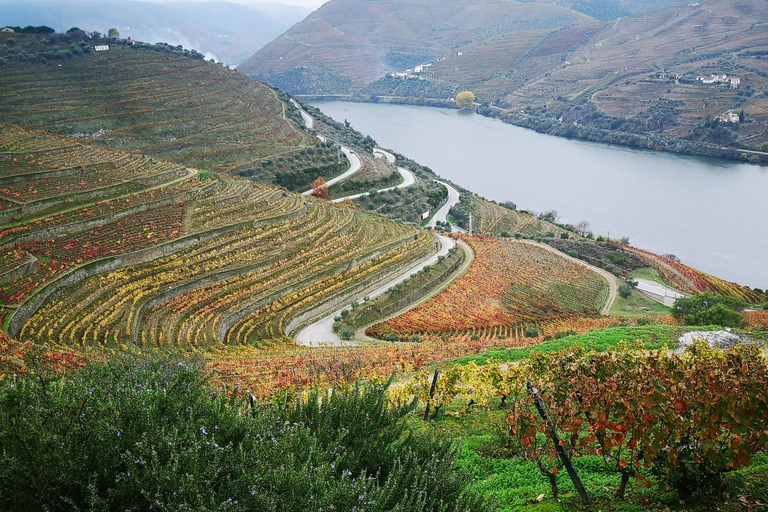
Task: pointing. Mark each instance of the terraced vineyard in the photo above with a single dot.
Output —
(194, 112)
(689, 280)
(493, 219)
(509, 283)
(165, 258)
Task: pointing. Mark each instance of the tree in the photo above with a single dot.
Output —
(465, 99)
(549, 216)
(113, 33)
(319, 188)
(582, 228)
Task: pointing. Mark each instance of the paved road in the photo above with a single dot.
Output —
(408, 180)
(354, 166)
(442, 213)
(468, 260)
(320, 333)
(380, 153)
(308, 121)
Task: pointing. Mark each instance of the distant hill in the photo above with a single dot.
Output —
(632, 80)
(347, 44)
(229, 32)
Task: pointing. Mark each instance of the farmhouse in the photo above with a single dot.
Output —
(729, 117)
(716, 79)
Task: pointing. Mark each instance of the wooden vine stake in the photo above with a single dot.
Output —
(559, 447)
(431, 393)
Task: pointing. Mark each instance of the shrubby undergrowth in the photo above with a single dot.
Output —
(149, 434)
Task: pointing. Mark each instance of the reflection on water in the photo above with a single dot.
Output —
(710, 213)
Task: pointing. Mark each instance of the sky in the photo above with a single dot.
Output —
(309, 4)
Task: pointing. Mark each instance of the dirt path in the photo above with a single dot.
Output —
(613, 281)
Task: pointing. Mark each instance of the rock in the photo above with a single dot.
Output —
(716, 339)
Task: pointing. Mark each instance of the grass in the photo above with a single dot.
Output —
(637, 304)
(652, 337)
(649, 274)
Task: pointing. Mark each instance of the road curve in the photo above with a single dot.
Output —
(354, 166)
(320, 333)
(442, 214)
(408, 180)
(380, 153)
(308, 121)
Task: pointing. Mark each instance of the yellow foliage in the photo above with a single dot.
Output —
(465, 99)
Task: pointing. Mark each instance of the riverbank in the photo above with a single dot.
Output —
(553, 126)
(692, 207)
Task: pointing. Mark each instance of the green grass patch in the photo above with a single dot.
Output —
(649, 274)
(652, 337)
(205, 175)
(637, 305)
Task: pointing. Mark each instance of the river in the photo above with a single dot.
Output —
(708, 212)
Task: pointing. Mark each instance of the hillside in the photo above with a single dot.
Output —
(226, 31)
(102, 247)
(171, 105)
(636, 80)
(347, 44)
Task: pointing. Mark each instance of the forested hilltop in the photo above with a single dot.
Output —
(682, 77)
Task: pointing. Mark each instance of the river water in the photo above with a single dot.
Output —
(710, 213)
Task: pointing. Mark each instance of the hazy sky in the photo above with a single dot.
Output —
(310, 4)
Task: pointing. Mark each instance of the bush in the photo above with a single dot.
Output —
(718, 315)
(392, 337)
(573, 254)
(709, 309)
(616, 258)
(149, 434)
(531, 332)
(625, 291)
(347, 333)
(415, 338)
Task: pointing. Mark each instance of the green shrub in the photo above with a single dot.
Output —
(573, 254)
(415, 338)
(347, 333)
(531, 332)
(709, 309)
(625, 291)
(392, 337)
(149, 434)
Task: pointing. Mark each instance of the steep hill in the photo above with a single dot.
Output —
(171, 105)
(102, 247)
(636, 80)
(347, 44)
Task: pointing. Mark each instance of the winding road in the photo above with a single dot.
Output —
(408, 180)
(442, 214)
(320, 333)
(354, 166)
